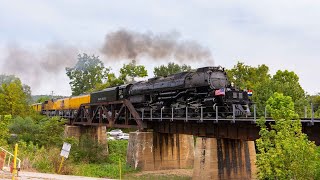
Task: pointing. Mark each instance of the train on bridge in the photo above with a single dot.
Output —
(204, 89)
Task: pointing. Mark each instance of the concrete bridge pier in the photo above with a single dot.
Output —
(159, 151)
(224, 159)
(98, 133)
(72, 131)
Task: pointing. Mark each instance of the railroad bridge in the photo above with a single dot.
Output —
(223, 149)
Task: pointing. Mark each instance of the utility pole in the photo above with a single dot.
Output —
(51, 94)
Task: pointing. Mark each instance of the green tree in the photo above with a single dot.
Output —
(263, 85)
(261, 93)
(248, 77)
(43, 99)
(112, 81)
(284, 151)
(169, 69)
(7, 79)
(86, 74)
(127, 74)
(315, 100)
(27, 92)
(256, 79)
(4, 131)
(287, 82)
(130, 71)
(26, 129)
(13, 100)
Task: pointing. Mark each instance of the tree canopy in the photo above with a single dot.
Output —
(171, 68)
(130, 71)
(284, 151)
(43, 99)
(287, 82)
(7, 79)
(4, 131)
(315, 100)
(248, 77)
(86, 74)
(264, 85)
(13, 99)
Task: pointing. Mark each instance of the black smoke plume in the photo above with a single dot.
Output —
(125, 44)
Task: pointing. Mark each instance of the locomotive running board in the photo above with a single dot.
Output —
(108, 114)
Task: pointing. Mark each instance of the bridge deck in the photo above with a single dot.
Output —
(199, 122)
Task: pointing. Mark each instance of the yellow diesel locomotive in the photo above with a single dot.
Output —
(65, 107)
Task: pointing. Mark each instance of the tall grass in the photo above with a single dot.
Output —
(81, 162)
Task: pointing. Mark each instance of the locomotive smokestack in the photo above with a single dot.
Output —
(125, 44)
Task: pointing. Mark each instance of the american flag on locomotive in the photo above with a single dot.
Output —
(220, 92)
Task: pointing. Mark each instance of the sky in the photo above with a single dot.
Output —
(39, 38)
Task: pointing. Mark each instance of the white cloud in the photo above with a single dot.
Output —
(280, 34)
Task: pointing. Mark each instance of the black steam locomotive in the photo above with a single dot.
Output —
(205, 88)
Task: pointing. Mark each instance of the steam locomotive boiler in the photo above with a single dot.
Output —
(207, 88)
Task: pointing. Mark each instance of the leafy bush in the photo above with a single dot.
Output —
(39, 158)
(88, 150)
(44, 132)
(317, 168)
(40, 141)
(26, 129)
(51, 131)
(117, 150)
(28, 152)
